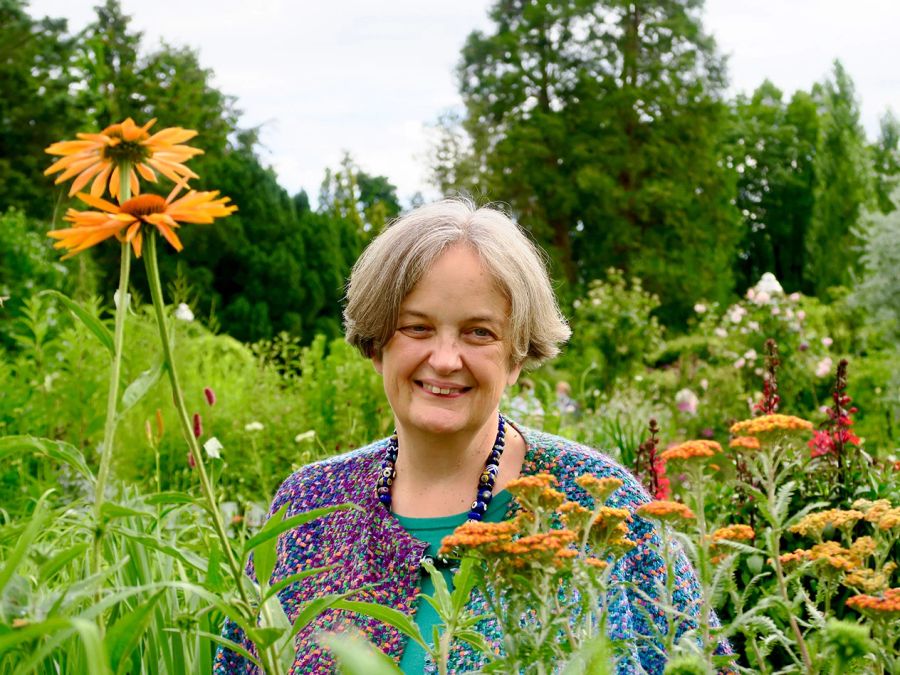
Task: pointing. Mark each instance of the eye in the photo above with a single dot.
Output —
(483, 333)
(415, 330)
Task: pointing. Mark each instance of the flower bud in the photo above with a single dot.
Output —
(198, 426)
(210, 396)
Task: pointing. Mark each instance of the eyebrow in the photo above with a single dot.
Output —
(472, 319)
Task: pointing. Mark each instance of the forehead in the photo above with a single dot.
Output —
(457, 283)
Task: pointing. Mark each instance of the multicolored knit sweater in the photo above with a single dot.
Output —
(374, 552)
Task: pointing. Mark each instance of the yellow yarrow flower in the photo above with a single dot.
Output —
(691, 450)
(769, 423)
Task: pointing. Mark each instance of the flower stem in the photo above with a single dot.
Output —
(112, 400)
(150, 264)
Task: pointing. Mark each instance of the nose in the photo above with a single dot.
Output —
(445, 354)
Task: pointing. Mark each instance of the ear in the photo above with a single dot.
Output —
(513, 376)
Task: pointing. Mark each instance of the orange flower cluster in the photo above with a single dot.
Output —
(870, 581)
(540, 548)
(833, 555)
(691, 450)
(536, 492)
(880, 513)
(885, 605)
(98, 157)
(597, 563)
(664, 510)
(813, 524)
(746, 442)
(734, 533)
(768, 423)
(476, 536)
(574, 516)
(598, 488)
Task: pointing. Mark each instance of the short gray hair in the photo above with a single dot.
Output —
(395, 261)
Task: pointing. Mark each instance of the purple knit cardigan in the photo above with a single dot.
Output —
(374, 552)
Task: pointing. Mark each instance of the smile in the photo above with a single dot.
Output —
(442, 391)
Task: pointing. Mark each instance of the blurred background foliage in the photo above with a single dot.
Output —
(606, 129)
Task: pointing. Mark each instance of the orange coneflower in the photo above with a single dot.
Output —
(98, 157)
(126, 220)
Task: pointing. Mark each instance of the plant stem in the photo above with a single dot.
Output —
(112, 400)
(206, 487)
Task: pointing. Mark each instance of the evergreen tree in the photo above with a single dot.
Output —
(886, 162)
(773, 148)
(602, 125)
(842, 188)
(36, 105)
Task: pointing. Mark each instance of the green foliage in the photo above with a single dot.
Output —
(772, 146)
(842, 185)
(614, 330)
(601, 125)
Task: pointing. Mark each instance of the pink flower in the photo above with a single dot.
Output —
(801, 315)
(823, 367)
(740, 363)
(827, 341)
(687, 401)
(794, 297)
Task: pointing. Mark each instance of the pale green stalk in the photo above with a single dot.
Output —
(112, 400)
(152, 268)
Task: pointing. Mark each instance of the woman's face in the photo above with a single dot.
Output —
(448, 362)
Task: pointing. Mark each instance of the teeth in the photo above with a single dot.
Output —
(437, 390)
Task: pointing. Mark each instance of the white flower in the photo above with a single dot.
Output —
(827, 341)
(775, 311)
(638, 378)
(700, 308)
(595, 302)
(305, 436)
(687, 401)
(721, 332)
(212, 447)
(740, 363)
(116, 297)
(736, 313)
(768, 284)
(794, 297)
(184, 313)
(704, 384)
(753, 326)
(254, 426)
(761, 298)
(823, 367)
(750, 355)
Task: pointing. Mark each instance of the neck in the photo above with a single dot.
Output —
(436, 459)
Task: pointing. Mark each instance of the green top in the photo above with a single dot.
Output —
(432, 531)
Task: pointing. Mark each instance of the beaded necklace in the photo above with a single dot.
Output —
(485, 491)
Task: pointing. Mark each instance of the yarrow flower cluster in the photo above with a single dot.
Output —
(665, 510)
(814, 524)
(883, 606)
(769, 423)
(691, 450)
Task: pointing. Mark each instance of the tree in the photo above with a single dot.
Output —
(886, 162)
(36, 105)
(842, 188)
(602, 125)
(773, 147)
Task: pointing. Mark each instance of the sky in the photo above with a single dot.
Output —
(371, 78)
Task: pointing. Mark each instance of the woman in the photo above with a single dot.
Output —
(450, 303)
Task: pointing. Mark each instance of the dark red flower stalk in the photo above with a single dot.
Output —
(649, 468)
(210, 396)
(770, 400)
(835, 434)
(198, 425)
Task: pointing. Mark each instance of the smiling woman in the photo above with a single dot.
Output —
(450, 303)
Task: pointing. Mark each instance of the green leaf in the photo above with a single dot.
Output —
(388, 615)
(34, 527)
(110, 510)
(229, 644)
(170, 498)
(274, 526)
(58, 450)
(214, 579)
(92, 323)
(60, 560)
(186, 557)
(293, 578)
(441, 601)
(135, 391)
(463, 582)
(356, 656)
(124, 635)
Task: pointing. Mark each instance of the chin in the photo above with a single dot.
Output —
(440, 421)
